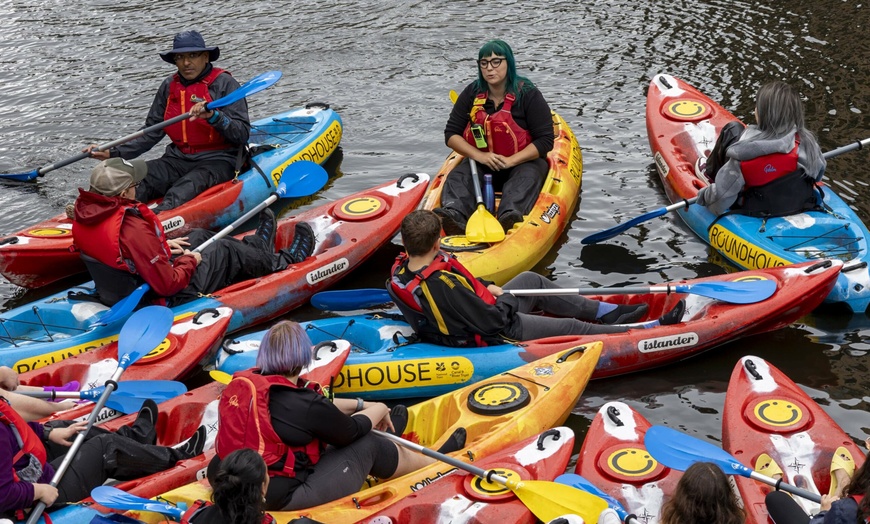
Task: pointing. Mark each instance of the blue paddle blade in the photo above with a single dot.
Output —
(616, 230)
(142, 332)
(679, 451)
(579, 482)
(743, 292)
(301, 179)
(21, 177)
(254, 85)
(125, 306)
(156, 390)
(350, 299)
(114, 498)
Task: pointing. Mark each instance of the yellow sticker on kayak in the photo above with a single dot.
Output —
(778, 412)
(383, 376)
(742, 252)
(317, 152)
(631, 462)
(52, 232)
(31, 363)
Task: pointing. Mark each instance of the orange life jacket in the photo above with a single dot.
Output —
(29, 442)
(767, 168)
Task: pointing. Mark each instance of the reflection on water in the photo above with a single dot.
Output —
(87, 73)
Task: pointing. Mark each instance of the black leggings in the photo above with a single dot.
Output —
(124, 455)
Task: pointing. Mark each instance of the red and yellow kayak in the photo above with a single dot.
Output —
(496, 413)
(765, 412)
(528, 241)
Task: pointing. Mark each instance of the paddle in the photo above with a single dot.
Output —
(747, 292)
(613, 231)
(547, 500)
(301, 178)
(576, 481)
(220, 376)
(128, 398)
(144, 331)
(481, 226)
(114, 498)
(254, 85)
(679, 451)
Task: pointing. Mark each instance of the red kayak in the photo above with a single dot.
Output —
(43, 253)
(190, 340)
(707, 322)
(179, 418)
(765, 412)
(461, 497)
(614, 459)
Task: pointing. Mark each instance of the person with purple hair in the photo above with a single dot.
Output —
(317, 450)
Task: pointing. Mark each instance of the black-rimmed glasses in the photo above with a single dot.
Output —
(494, 62)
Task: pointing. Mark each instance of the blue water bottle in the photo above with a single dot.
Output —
(488, 193)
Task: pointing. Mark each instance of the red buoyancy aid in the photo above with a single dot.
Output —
(503, 135)
(442, 262)
(199, 505)
(28, 441)
(102, 240)
(767, 168)
(246, 422)
(192, 137)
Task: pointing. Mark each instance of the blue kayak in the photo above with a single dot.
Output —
(682, 125)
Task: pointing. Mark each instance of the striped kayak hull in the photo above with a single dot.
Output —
(528, 241)
(682, 125)
(42, 254)
(385, 364)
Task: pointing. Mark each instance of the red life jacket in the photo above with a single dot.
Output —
(102, 240)
(767, 168)
(408, 298)
(192, 137)
(28, 441)
(199, 505)
(503, 135)
(245, 421)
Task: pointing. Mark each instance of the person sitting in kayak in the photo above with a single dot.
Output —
(30, 453)
(239, 495)
(703, 494)
(502, 121)
(122, 244)
(205, 148)
(768, 169)
(847, 500)
(317, 450)
(447, 305)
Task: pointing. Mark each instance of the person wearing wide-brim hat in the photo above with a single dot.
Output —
(204, 148)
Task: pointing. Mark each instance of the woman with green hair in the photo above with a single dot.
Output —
(501, 121)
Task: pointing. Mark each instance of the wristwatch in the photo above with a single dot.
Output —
(359, 405)
(46, 429)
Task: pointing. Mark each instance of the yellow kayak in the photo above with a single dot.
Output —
(496, 413)
(528, 241)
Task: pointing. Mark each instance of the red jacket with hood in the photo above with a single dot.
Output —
(140, 245)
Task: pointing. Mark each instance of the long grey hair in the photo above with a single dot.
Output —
(780, 112)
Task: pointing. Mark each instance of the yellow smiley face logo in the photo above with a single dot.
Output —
(483, 488)
(164, 346)
(687, 108)
(778, 412)
(361, 206)
(54, 232)
(631, 462)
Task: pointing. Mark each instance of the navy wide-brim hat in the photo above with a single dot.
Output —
(189, 42)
